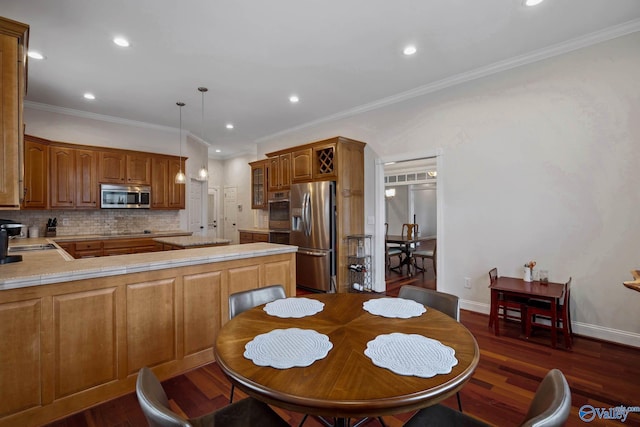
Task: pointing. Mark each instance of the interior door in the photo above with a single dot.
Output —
(196, 217)
(212, 212)
(230, 213)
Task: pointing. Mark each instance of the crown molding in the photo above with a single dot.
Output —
(93, 116)
(497, 67)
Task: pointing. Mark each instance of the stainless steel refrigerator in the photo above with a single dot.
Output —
(313, 230)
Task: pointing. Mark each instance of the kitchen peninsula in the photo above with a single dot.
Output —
(76, 331)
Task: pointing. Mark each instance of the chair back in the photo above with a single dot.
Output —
(410, 230)
(566, 294)
(154, 403)
(441, 301)
(493, 275)
(243, 301)
(551, 404)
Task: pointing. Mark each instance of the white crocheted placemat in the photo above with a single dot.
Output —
(294, 307)
(411, 354)
(394, 307)
(286, 348)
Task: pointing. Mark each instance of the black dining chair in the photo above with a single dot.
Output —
(245, 300)
(155, 406)
(550, 407)
(446, 303)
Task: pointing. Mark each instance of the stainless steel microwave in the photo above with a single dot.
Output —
(125, 196)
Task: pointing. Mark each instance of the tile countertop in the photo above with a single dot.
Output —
(192, 241)
(52, 266)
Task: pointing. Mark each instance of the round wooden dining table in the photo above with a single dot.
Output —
(345, 384)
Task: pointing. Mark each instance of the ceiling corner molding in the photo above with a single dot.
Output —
(94, 116)
(497, 67)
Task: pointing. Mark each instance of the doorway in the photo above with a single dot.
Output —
(407, 191)
(230, 213)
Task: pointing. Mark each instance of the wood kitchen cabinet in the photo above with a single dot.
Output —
(165, 193)
(279, 172)
(86, 179)
(112, 166)
(62, 177)
(13, 57)
(59, 175)
(73, 178)
(120, 167)
(302, 166)
(36, 174)
(259, 184)
(253, 237)
(72, 344)
(138, 169)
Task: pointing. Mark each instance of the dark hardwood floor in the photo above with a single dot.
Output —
(600, 374)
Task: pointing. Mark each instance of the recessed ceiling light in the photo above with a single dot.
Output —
(293, 99)
(89, 96)
(229, 126)
(409, 50)
(218, 150)
(121, 41)
(532, 2)
(35, 55)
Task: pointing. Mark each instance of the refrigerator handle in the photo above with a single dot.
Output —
(306, 214)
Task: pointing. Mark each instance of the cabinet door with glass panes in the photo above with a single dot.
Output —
(259, 184)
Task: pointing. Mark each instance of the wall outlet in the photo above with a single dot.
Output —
(65, 222)
(467, 282)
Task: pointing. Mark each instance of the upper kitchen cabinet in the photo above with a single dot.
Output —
(112, 167)
(121, 167)
(86, 179)
(165, 193)
(317, 161)
(63, 177)
(14, 38)
(302, 170)
(259, 184)
(279, 172)
(36, 174)
(138, 169)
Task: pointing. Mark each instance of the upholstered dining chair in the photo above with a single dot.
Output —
(243, 301)
(155, 406)
(427, 254)
(441, 301)
(391, 250)
(509, 307)
(541, 308)
(550, 407)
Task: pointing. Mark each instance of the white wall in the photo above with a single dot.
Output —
(537, 163)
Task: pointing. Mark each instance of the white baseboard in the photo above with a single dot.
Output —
(579, 328)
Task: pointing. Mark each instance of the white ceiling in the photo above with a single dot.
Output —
(337, 56)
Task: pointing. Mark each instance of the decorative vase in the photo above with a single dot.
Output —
(528, 276)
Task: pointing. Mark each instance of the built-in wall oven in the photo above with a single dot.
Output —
(279, 217)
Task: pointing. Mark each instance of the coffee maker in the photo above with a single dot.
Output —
(8, 229)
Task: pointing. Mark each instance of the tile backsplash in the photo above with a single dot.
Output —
(104, 221)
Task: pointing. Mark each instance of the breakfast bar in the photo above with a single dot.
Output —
(78, 330)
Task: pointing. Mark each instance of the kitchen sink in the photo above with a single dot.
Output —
(30, 248)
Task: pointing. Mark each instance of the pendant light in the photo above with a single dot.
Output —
(180, 177)
(203, 173)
